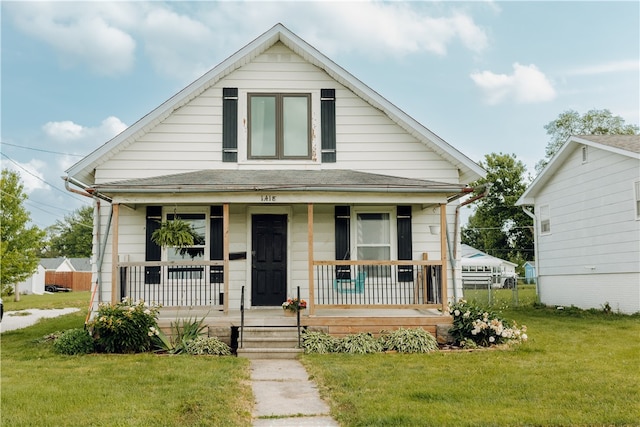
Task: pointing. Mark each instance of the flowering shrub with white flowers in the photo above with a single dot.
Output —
(125, 327)
(477, 326)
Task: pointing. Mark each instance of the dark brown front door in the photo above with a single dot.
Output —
(269, 260)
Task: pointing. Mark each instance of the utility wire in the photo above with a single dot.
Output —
(41, 150)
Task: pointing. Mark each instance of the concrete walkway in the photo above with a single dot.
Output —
(13, 320)
(285, 396)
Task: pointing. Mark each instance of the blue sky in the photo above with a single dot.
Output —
(485, 76)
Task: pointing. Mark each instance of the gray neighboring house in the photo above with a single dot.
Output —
(586, 210)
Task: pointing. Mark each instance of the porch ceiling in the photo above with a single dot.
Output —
(334, 180)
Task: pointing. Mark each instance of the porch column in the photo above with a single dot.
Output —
(443, 254)
(115, 273)
(225, 256)
(312, 306)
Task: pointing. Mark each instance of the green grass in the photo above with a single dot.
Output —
(524, 295)
(48, 301)
(578, 368)
(42, 388)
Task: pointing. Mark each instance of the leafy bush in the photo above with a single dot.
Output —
(318, 342)
(415, 340)
(74, 341)
(361, 343)
(125, 327)
(182, 333)
(207, 345)
(471, 323)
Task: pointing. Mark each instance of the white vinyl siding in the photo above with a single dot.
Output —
(636, 197)
(190, 138)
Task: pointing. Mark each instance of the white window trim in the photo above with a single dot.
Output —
(636, 198)
(393, 228)
(189, 210)
(543, 217)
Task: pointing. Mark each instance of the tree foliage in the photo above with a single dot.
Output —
(20, 242)
(71, 237)
(593, 122)
(498, 227)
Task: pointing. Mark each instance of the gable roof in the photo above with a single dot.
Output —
(625, 145)
(83, 170)
(51, 263)
(473, 256)
(277, 180)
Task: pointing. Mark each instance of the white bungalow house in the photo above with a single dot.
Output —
(586, 211)
(294, 174)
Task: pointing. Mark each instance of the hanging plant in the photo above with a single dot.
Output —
(175, 233)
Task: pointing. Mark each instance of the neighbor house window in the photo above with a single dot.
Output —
(636, 187)
(279, 126)
(585, 154)
(373, 240)
(545, 220)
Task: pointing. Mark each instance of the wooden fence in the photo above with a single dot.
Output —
(75, 280)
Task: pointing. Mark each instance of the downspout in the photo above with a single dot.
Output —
(535, 246)
(453, 252)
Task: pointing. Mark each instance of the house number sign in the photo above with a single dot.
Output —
(267, 198)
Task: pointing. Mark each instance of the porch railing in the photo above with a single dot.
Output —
(172, 284)
(378, 284)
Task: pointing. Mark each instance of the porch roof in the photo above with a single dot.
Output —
(334, 180)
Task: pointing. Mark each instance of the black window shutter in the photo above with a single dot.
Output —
(403, 217)
(328, 124)
(216, 244)
(343, 240)
(230, 124)
(153, 251)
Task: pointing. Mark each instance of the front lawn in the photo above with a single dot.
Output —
(42, 388)
(578, 368)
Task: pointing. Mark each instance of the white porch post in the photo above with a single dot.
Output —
(443, 254)
(115, 276)
(312, 307)
(225, 256)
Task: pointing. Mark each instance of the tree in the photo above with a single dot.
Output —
(19, 242)
(593, 122)
(71, 237)
(498, 227)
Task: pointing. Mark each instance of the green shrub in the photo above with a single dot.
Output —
(182, 333)
(415, 340)
(125, 327)
(207, 345)
(361, 343)
(318, 342)
(482, 326)
(74, 341)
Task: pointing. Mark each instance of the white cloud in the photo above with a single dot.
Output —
(89, 32)
(68, 131)
(31, 174)
(526, 85)
(184, 39)
(607, 67)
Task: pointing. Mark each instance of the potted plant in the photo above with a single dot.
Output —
(293, 305)
(174, 233)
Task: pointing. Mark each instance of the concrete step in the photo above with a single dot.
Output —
(269, 353)
(270, 342)
(264, 332)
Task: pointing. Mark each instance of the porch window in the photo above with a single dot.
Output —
(279, 126)
(191, 253)
(373, 240)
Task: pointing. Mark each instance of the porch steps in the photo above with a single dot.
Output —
(269, 342)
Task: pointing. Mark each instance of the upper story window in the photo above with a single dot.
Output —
(585, 154)
(279, 126)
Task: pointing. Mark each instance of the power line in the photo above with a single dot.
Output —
(38, 178)
(41, 150)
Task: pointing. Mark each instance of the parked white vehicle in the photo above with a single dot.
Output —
(485, 272)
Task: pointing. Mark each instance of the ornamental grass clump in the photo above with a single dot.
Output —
(362, 343)
(182, 333)
(125, 327)
(318, 342)
(476, 326)
(415, 340)
(211, 346)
